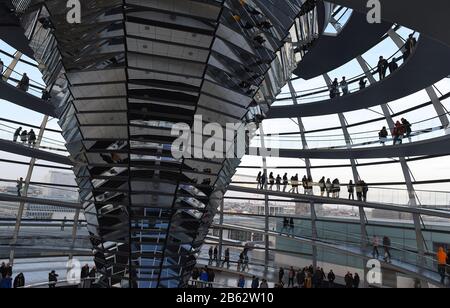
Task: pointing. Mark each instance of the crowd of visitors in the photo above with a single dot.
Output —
(337, 88)
(402, 129)
(26, 137)
(6, 274)
(328, 187)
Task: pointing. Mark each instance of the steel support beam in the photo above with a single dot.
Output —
(356, 177)
(21, 209)
(312, 205)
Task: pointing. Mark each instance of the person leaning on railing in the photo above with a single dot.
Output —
(442, 263)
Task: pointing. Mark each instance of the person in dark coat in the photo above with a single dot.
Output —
(382, 67)
(52, 279)
(280, 275)
(331, 278)
(356, 281)
(19, 281)
(349, 281)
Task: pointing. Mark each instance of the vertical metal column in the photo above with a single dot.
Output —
(25, 192)
(404, 165)
(356, 177)
(222, 203)
(308, 170)
(266, 203)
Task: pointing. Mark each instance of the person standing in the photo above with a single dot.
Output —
(398, 133)
(393, 66)
(52, 279)
(280, 275)
(383, 134)
(263, 180)
(442, 263)
(344, 86)
(17, 133)
(24, 83)
(331, 278)
(2, 67)
(271, 181)
(258, 180)
(322, 186)
(356, 281)
(19, 187)
(19, 281)
(351, 191)
(211, 278)
(375, 245)
(226, 258)
(365, 191)
(362, 83)
(216, 255)
(336, 188)
(264, 284)
(382, 67)
(285, 182)
(24, 137)
(6, 283)
(204, 277)
(291, 277)
(410, 44)
(255, 282)
(31, 138)
(278, 182)
(407, 127)
(241, 282)
(210, 254)
(348, 281)
(329, 187)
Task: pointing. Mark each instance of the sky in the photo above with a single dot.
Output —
(425, 170)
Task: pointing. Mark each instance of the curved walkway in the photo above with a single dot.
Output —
(423, 210)
(398, 266)
(39, 201)
(330, 52)
(430, 17)
(428, 64)
(19, 149)
(434, 146)
(16, 96)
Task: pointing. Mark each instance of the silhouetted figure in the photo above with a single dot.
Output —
(32, 138)
(19, 187)
(382, 67)
(407, 128)
(398, 133)
(331, 278)
(375, 245)
(278, 182)
(285, 182)
(362, 83)
(383, 134)
(351, 191)
(344, 86)
(19, 281)
(24, 83)
(24, 137)
(393, 66)
(52, 279)
(17, 133)
(410, 44)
